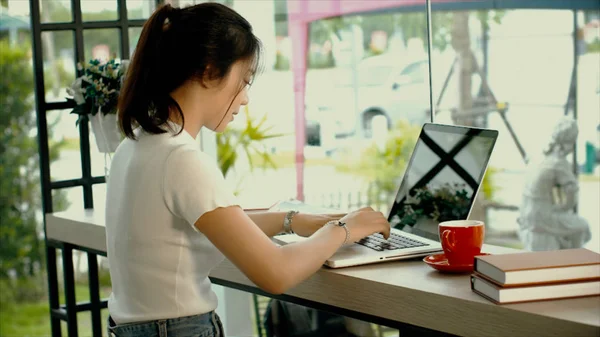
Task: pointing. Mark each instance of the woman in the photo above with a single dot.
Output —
(170, 217)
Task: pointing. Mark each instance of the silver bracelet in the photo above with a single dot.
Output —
(343, 225)
(287, 222)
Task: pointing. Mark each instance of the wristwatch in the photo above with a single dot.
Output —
(343, 225)
(287, 222)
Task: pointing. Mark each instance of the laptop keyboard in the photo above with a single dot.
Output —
(378, 243)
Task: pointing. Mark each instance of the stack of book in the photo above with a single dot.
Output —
(537, 276)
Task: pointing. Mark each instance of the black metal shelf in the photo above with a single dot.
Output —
(79, 307)
(76, 182)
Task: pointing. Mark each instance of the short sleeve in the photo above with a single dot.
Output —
(194, 185)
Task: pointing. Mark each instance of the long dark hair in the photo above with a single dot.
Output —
(199, 42)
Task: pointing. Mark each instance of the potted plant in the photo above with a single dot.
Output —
(95, 95)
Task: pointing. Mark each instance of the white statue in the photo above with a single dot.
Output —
(548, 220)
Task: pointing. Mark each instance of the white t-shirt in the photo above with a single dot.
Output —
(158, 186)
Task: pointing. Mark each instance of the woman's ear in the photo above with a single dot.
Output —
(204, 78)
(208, 78)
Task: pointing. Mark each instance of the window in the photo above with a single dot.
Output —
(521, 78)
(367, 95)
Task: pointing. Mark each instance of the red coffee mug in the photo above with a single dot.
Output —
(461, 240)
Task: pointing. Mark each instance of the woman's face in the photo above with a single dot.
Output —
(227, 96)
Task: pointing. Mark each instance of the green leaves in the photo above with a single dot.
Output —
(382, 167)
(18, 168)
(99, 87)
(80, 110)
(21, 245)
(249, 140)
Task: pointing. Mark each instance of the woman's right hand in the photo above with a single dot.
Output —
(364, 222)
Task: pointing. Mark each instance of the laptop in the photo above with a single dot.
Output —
(448, 163)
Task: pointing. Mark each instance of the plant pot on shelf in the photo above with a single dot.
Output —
(106, 131)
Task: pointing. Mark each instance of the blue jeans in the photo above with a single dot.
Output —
(204, 325)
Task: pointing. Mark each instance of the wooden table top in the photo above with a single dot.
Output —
(401, 291)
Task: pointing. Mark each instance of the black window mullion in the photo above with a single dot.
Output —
(84, 129)
(44, 153)
(64, 105)
(76, 182)
(90, 25)
(124, 24)
(40, 103)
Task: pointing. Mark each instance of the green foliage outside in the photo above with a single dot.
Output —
(32, 318)
(18, 182)
(593, 47)
(22, 265)
(383, 167)
(23, 294)
(248, 139)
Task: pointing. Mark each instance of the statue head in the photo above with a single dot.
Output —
(564, 137)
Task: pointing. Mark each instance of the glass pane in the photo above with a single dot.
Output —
(353, 63)
(186, 3)
(67, 198)
(105, 10)
(99, 191)
(55, 11)
(104, 279)
(361, 126)
(588, 105)
(140, 9)
(59, 64)
(102, 44)
(105, 312)
(516, 79)
(271, 97)
(134, 36)
(64, 145)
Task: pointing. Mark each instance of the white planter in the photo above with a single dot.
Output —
(106, 131)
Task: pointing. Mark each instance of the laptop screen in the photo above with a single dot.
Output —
(442, 178)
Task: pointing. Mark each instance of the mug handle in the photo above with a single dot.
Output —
(449, 241)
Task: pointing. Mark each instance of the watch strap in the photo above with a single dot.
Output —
(287, 222)
(343, 225)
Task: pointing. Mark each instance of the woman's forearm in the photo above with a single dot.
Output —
(271, 223)
(304, 258)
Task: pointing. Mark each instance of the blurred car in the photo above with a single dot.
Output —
(387, 85)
